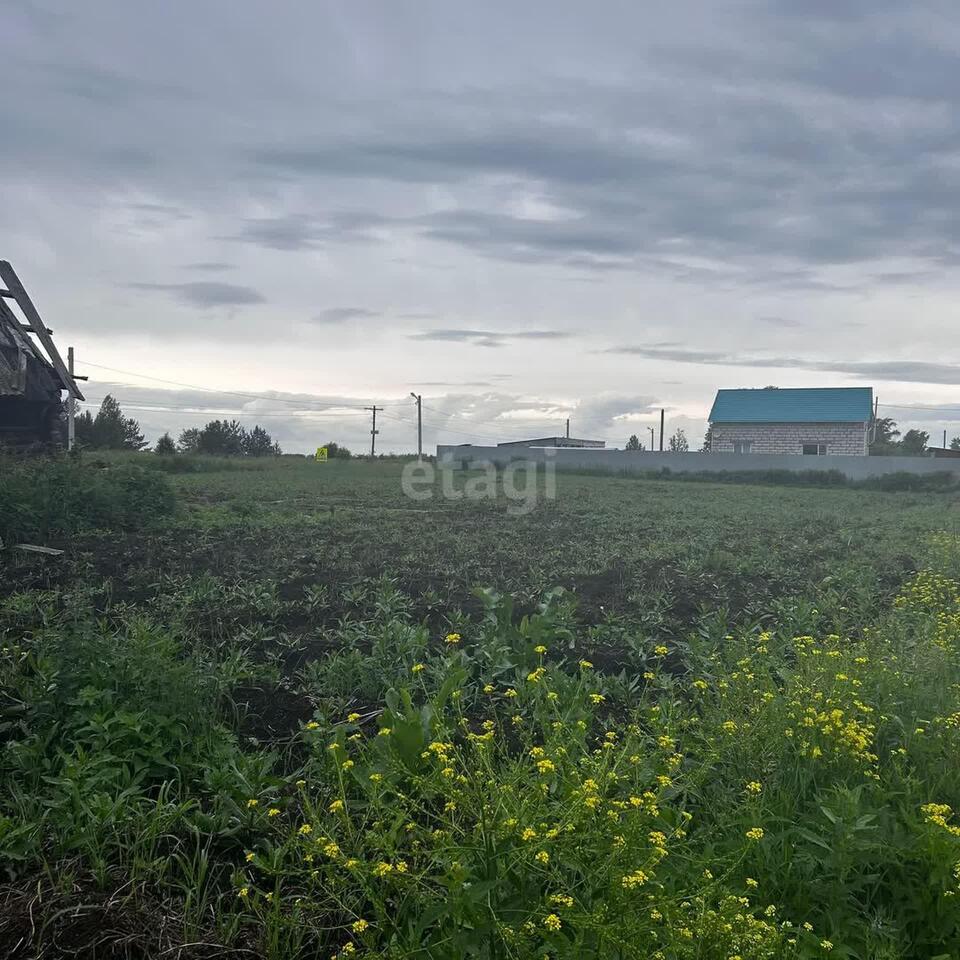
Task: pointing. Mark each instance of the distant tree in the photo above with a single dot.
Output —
(678, 442)
(336, 452)
(109, 429)
(634, 443)
(227, 438)
(83, 430)
(707, 439)
(885, 435)
(257, 443)
(955, 443)
(914, 442)
(221, 438)
(189, 441)
(165, 446)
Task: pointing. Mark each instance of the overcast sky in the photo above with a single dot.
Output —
(524, 211)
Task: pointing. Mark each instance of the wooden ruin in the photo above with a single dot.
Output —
(32, 372)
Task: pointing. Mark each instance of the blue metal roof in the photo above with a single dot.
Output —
(794, 405)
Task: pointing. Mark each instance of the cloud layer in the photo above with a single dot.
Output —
(466, 197)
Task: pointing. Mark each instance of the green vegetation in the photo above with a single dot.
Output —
(277, 708)
(109, 429)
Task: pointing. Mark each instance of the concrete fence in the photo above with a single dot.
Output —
(630, 461)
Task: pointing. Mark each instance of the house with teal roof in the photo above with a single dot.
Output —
(806, 421)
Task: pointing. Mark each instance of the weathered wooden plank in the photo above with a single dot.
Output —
(34, 548)
(10, 278)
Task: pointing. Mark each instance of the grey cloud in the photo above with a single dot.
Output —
(486, 338)
(907, 371)
(206, 293)
(780, 321)
(454, 383)
(549, 156)
(335, 315)
(213, 266)
(105, 87)
(301, 232)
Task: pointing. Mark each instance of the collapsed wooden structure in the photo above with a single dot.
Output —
(32, 372)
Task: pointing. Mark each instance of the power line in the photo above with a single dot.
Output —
(255, 415)
(231, 393)
(921, 406)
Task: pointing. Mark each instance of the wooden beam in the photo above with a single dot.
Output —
(7, 294)
(10, 278)
(29, 329)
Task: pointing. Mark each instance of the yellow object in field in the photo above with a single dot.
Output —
(321, 456)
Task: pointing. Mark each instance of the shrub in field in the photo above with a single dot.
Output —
(59, 497)
(527, 833)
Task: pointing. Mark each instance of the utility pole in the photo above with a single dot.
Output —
(653, 438)
(661, 429)
(72, 406)
(373, 430)
(419, 398)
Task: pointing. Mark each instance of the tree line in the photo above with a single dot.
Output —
(888, 441)
(110, 429)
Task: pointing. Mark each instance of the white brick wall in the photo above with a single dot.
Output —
(845, 439)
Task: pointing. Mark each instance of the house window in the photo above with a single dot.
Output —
(814, 449)
(742, 446)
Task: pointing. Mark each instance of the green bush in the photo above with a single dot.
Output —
(50, 499)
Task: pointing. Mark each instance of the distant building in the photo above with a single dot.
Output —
(554, 442)
(813, 421)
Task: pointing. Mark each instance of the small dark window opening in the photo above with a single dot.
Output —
(814, 449)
